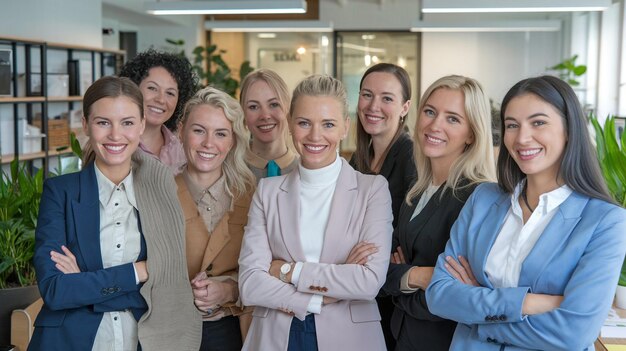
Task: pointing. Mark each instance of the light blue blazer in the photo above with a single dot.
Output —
(579, 255)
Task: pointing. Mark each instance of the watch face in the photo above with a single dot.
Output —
(285, 268)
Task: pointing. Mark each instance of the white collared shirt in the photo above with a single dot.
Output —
(516, 238)
(317, 187)
(120, 243)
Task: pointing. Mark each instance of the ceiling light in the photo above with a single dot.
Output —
(475, 6)
(266, 35)
(268, 26)
(487, 26)
(224, 7)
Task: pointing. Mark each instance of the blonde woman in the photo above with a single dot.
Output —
(265, 98)
(214, 190)
(302, 264)
(453, 154)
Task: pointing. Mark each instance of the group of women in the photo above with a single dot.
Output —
(245, 229)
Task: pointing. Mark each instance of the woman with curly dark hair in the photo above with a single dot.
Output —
(166, 81)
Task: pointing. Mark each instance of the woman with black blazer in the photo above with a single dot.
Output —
(453, 154)
(383, 146)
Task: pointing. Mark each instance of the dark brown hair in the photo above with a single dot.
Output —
(364, 153)
(579, 167)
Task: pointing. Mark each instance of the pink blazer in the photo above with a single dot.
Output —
(360, 211)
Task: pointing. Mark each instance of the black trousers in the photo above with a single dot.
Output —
(221, 335)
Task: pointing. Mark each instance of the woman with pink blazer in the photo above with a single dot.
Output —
(315, 251)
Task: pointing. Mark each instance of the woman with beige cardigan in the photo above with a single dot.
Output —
(215, 190)
(110, 243)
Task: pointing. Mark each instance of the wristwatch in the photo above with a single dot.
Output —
(284, 270)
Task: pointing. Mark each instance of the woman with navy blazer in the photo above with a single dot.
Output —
(109, 248)
(533, 262)
(453, 151)
(304, 263)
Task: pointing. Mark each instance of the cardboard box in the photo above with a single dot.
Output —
(58, 132)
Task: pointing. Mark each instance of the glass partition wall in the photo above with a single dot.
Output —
(357, 51)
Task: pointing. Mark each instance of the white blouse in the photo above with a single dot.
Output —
(120, 243)
(317, 187)
(516, 238)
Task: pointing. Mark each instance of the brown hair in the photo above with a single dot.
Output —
(108, 87)
(363, 152)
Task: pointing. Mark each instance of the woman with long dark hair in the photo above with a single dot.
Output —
(533, 261)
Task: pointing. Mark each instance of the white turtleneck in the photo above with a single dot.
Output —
(317, 187)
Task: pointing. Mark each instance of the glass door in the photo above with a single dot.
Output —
(356, 51)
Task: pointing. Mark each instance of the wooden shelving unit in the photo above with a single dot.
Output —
(34, 59)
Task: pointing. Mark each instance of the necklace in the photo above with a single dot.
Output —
(526, 199)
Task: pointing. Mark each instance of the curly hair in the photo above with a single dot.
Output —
(178, 66)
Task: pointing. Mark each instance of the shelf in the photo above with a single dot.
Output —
(23, 99)
(35, 155)
(64, 98)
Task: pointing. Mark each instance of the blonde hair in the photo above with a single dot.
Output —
(321, 85)
(277, 84)
(239, 178)
(476, 164)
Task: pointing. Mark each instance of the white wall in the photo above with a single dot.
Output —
(77, 22)
(609, 62)
(496, 60)
(370, 15)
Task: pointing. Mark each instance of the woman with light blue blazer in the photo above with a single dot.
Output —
(533, 261)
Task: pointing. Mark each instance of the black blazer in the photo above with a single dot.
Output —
(422, 240)
(399, 170)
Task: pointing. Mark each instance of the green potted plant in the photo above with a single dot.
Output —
(20, 193)
(569, 71)
(211, 67)
(612, 157)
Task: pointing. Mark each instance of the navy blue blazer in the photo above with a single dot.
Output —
(579, 255)
(74, 304)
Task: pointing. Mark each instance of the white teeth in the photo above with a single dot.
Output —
(156, 109)
(206, 155)
(374, 118)
(434, 140)
(314, 148)
(114, 148)
(529, 152)
(267, 127)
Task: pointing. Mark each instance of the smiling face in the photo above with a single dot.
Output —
(317, 126)
(443, 129)
(265, 116)
(207, 137)
(535, 136)
(160, 96)
(114, 127)
(380, 105)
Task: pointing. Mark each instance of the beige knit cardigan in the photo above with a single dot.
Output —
(171, 322)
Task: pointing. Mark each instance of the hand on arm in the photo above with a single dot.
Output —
(461, 270)
(361, 252)
(397, 257)
(65, 262)
(142, 271)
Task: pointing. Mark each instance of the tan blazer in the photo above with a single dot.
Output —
(217, 252)
(360, 211)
